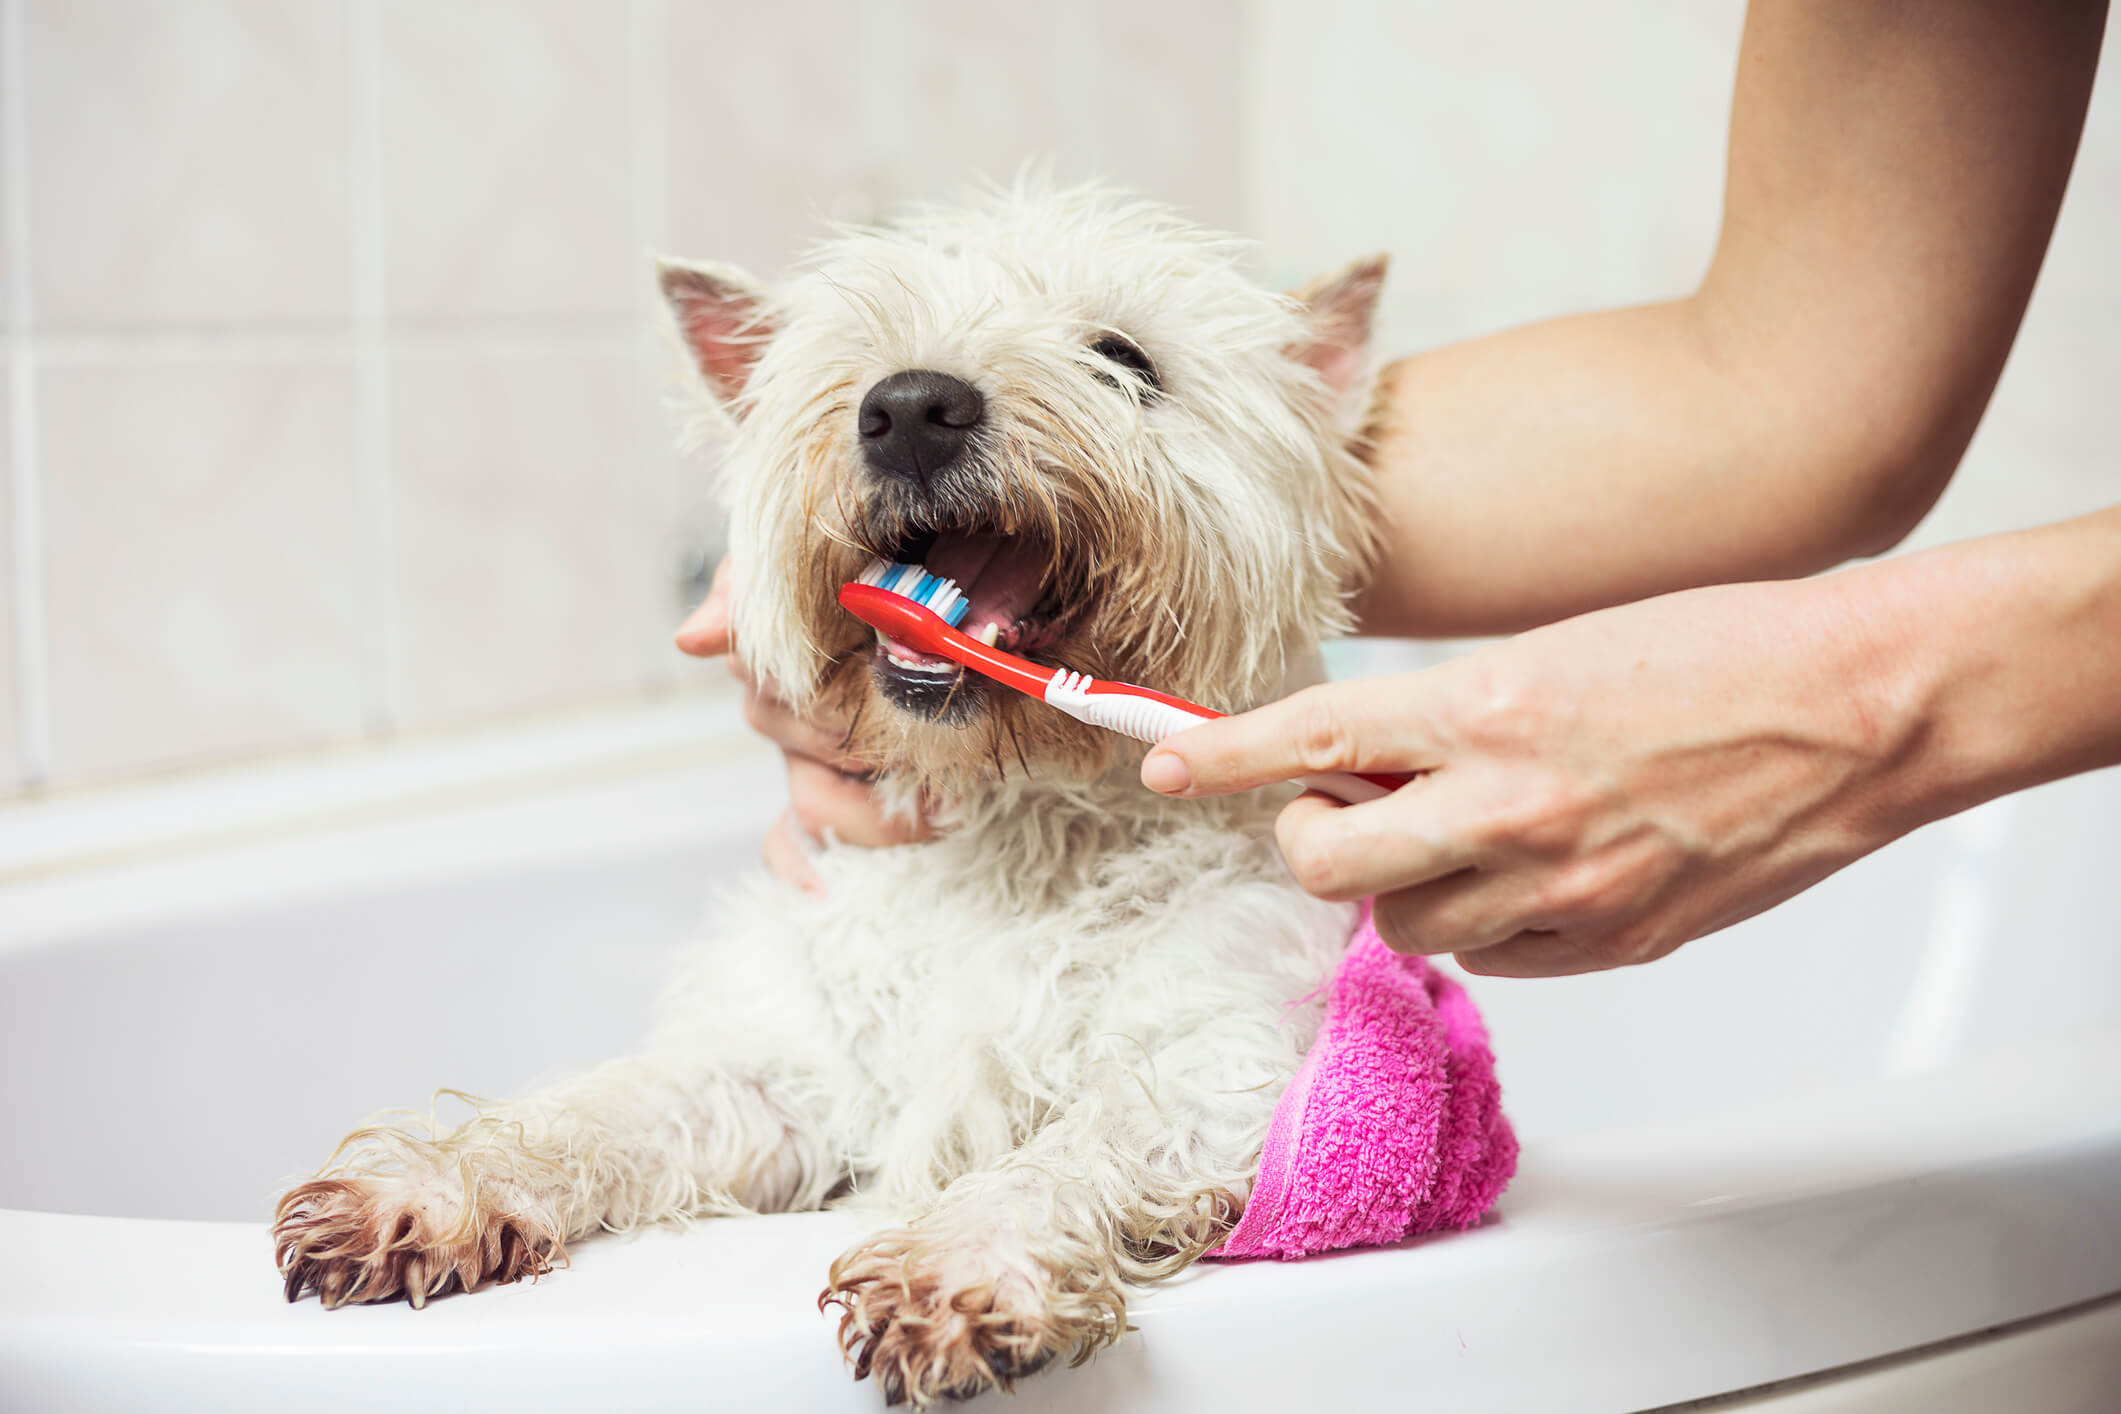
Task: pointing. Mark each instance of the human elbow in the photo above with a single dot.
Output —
(1894, 469)
(1896, 503)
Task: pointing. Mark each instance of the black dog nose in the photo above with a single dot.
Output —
(914, 423)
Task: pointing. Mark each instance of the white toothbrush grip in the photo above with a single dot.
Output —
(1143, 718)
(1147, 719)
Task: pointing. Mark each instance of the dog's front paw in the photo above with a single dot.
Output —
(931, 1319)
(375, 1238)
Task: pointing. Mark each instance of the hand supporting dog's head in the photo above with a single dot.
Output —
(1134, 461)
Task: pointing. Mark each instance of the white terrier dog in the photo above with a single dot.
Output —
(1048, 1042)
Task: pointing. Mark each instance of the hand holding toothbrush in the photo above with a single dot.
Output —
(1602, 790)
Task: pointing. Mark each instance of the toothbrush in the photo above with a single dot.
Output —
(909, 604)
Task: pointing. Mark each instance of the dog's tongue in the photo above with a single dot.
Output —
(1001, 577)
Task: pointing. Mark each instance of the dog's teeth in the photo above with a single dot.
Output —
(929, 669)
(988, 634)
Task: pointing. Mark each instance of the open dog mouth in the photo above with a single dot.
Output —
(1014, 602)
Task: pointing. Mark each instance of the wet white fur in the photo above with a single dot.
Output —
(1050, 1040)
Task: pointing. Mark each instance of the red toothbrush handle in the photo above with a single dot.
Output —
(894, 614)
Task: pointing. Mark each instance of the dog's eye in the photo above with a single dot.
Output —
(1114, 349)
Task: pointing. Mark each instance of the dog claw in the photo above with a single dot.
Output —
(355, 1240)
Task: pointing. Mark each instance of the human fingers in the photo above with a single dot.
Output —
(1375, 724)
(1534, 954)
(786, 857)
(705, 632)
(1346, 852)
(831, 803)
(1462, 913)
(796, 732)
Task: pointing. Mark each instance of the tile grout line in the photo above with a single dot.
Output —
(32, 661)
(374, 531)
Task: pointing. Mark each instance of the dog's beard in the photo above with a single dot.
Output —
(1034, 570)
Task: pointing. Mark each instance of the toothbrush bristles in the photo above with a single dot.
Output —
(936, 593)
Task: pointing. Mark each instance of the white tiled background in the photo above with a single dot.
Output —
(330, 410)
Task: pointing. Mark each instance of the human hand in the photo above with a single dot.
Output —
(1596, 792)
(828, 789)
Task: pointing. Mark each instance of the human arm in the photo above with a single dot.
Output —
(1894, 172)
(1605, 789)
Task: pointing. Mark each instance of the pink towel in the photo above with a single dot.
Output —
(1393, 1125)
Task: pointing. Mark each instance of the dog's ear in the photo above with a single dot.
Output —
(721, 315)
(1336, 343)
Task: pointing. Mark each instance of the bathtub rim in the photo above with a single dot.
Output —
(1632, 1237)
(1627, 1231)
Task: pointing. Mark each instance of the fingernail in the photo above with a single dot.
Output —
(1165, 771)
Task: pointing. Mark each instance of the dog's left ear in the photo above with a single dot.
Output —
(1336, 345)
(721, 315)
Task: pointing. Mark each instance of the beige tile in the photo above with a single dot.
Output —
(988, 87)
(10, 681)
(188, 161)
(1514, 171)
(199, 565)
(505, 158)
(1148, 97)
(1165, 106)
(768, 132)
(7, 189)
(782, 117)
(526, 571)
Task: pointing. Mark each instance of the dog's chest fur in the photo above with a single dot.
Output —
(949, 997)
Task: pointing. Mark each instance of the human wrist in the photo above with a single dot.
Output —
(1847, 670)
(1994, 664)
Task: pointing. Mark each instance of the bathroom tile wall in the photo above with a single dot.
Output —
(335, 405)
(10, 710)
(338, 328)
(187, 162)
(199, 599)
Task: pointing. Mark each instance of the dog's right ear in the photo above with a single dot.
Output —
(721, 315)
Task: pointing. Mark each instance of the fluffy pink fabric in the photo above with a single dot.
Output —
(1394, 1124)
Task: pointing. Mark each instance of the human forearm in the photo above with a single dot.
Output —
(1600, 791)
(1894, 173)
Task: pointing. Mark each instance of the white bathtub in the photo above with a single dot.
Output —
(1882, 1120)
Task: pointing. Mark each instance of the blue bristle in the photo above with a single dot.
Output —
(916, 583)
